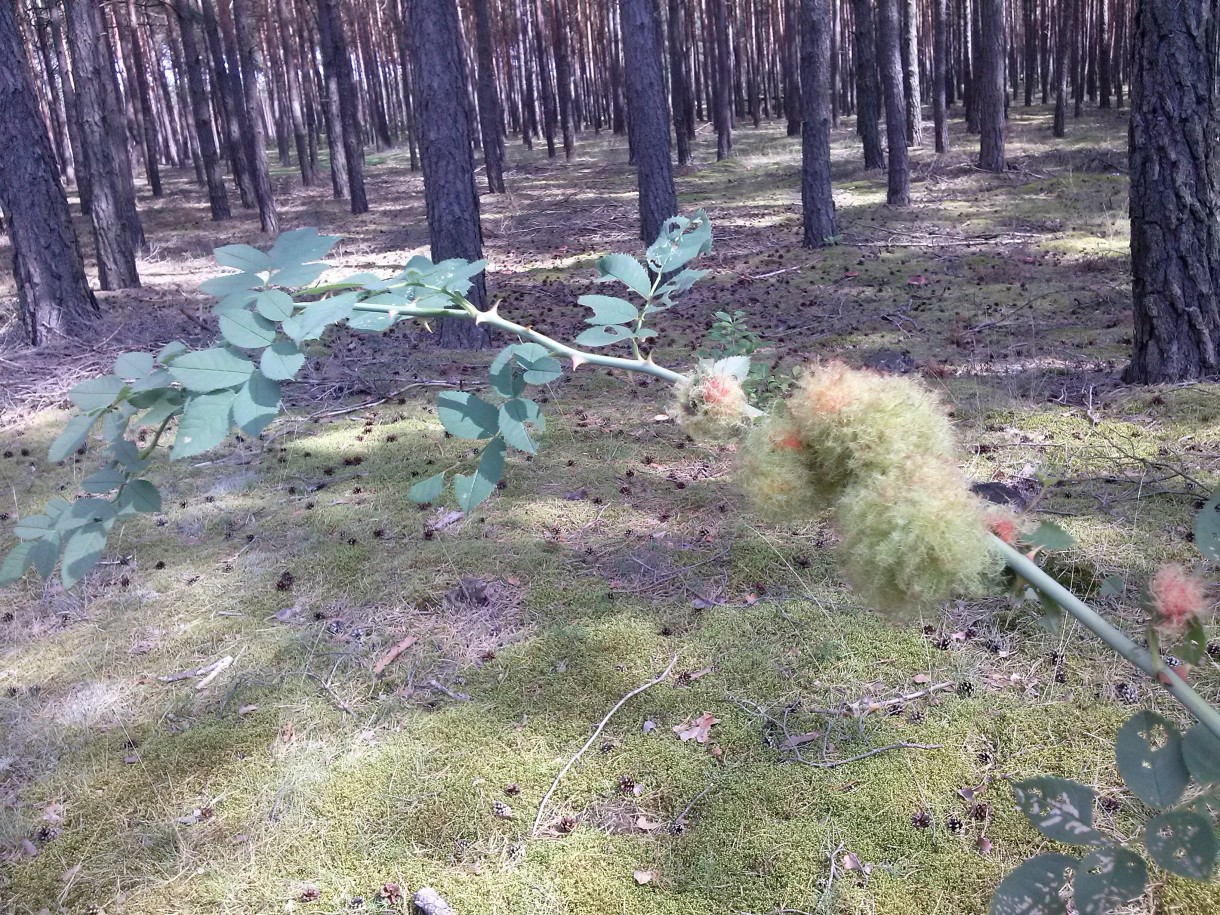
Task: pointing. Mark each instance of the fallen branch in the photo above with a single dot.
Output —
(592, 737)
(680, 819)
(456, 697)
(867, 706)
(901, 745)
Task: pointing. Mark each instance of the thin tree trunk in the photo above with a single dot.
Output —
(72, 105)
(337, 63)
(450, 195)
(227, 84)
(114, 239)
(898, 190)
(816, 195)
(1062, 59)
(910, 73)
(1175, 192)
(491, 115)
(679, 87)
(792, 65)
(563, 74)
(990, 86)
(296, 107)
(868, 88)
(722, 95)
(53, 295)
(189, 18)
(646, 101)
(940, 73)
(251, 56)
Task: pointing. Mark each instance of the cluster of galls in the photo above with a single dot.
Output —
(711, 406)
(877, 452)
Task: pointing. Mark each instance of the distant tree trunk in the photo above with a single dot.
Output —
(792, 65)
(910, 73)
(337, 61)
(546, 85)
(141, 97)
(53, 295)
(646, 102)
(816, 195)
(227, 86)
(1059, 127)
(563, 74)
(490, 114)
(722, 94)
(296, 106)
(1103, 53)
(450, 195)
(868, 92)
(114, 238)
(1030, 48)
(1175, 192)
(973, 43)
(898, 191)
(990, 85)
(251, 55)
(72, 105)
(189, 18)
(679, 87)
(940, 73)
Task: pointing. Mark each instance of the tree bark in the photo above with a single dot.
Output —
(227, 85)
(338, 65)
(491, 115)
(868, 89)
(189, 18)
(142, 96)
(110, 206)
(53, 295)
(679, 86)
(563, 73)
(816, 195)
(940, 73)
(646, 101)
(1062, 56)
(450, 195)
(251, 56)
(1175, 192)
(990, 85)
(296, 106)
(898, 190)
(910, 73)
(792, 65)
(722, 94)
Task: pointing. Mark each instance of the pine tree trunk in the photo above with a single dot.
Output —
(1103, 53)
(1175, 192)
(142, 96)
(1062, 60)
(109, 207)
(227, 85)
(898, 190)
(940, 73)
(816, 195)
(251, 56)
(990, 85)
(563, 74)
(189, 18)
(491, 115)
(910, 73)
(792, 65)
(72, 105)
(337, 63)
(722, 94)
(646, 101)
(296, 107)
(1029, 9)
(53, 295)
(868, 89)
(679, 87)
(450, 195)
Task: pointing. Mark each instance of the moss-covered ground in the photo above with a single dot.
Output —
(298, 780)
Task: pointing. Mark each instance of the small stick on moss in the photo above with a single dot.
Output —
(901, 745)
(592, 737)
(680, 819)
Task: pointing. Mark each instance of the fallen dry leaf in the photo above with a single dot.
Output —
(392, 655)
(698, 729)
(921, 678)
(647, 825)
(984, 845)
(643, 877)
(799, 740)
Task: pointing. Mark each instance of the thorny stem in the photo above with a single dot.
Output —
(1207, 715)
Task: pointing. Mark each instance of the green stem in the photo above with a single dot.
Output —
(152, 446)
(1208, 716)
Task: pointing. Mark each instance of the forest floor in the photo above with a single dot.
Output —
(298, 779)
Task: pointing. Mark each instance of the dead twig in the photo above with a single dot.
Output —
(373, 403)
(867, 705)
(456, 697)
(326, 688)
(680, 819)
(901, 745)
(592, 737)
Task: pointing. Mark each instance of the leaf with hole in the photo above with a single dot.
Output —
(427, 491)
(1059, 808)
(608, 309)
(604, 335)
(1148, 750)
(1182, 842)
(209, 370)
(281, 361)
(465, 415)
(1107, 878)
(1034, 887)
(205, 423)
